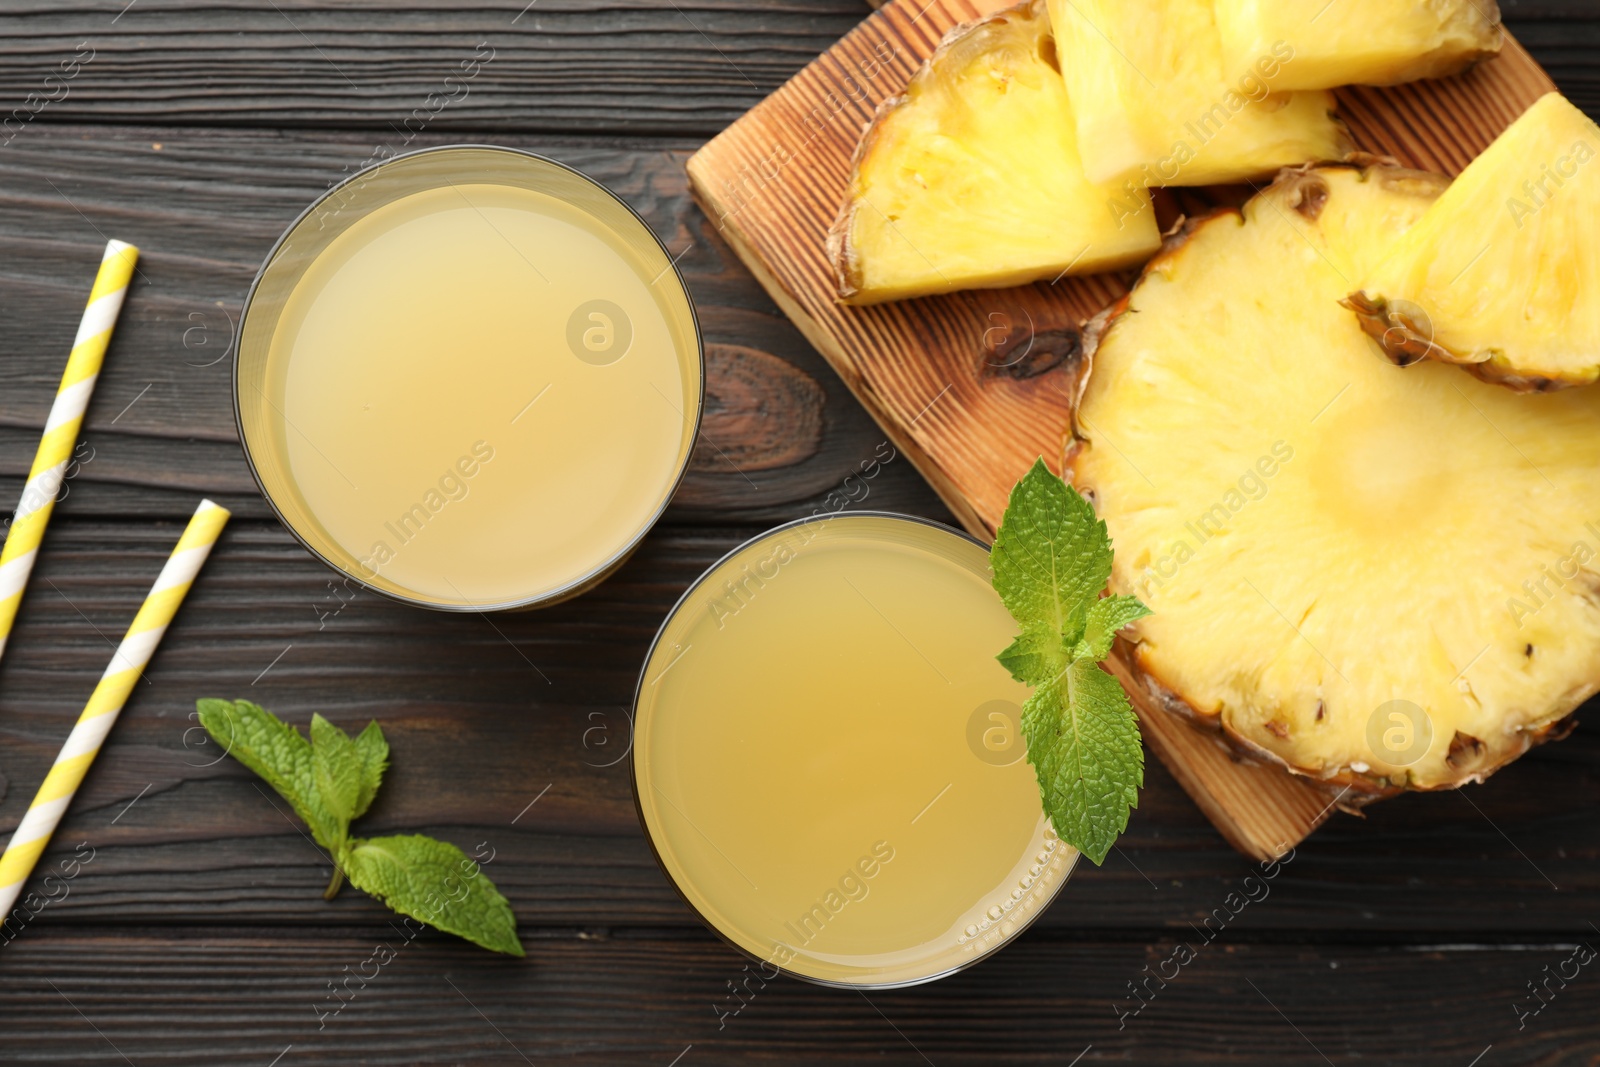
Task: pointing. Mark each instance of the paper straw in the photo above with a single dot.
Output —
(61, 430)
(109, 696)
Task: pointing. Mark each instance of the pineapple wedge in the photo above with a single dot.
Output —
(971, 178)
(1501, 275)
(1354, 42)
(1154, 107)
(1385, 579)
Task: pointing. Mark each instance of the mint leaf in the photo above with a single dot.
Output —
(1051, 561)
(436, 882)
(1035, 657)
(374, 751)
(337, 766)
(1051, 556)
(332, 779)
(1106, 617)
(274, 750)
(1083, 742)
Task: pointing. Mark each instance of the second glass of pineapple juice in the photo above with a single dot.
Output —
(828, 757)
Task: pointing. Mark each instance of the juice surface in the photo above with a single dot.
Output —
(481, 396)
(828, 758)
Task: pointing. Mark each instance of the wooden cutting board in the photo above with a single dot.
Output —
(972, 386)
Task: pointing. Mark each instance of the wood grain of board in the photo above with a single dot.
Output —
(939, 373)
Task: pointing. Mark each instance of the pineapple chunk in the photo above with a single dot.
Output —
(1154, 107)
(971, 179)
(1502, 274)
(1383, 578)
(1320, 44)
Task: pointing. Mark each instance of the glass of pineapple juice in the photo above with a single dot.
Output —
(470, 378)
(828, 758)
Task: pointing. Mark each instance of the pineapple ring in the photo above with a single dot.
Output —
(1383, 578)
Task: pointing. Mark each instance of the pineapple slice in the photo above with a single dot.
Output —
(1318, 44)
(1154, 107)
(971, 178)
(1383, 578)
(1501, 275)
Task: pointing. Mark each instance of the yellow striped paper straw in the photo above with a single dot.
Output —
(61, 430)
(109, 696)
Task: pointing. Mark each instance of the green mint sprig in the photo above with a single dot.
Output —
(333, 779)
(1051, 560)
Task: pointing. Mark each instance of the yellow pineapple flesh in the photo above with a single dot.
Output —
(1503, 273)
(1154, 106)
(1318, 44)
(1384, 578)
(971, 179)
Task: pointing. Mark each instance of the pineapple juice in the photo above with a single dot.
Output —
(828, 757)
(478, 392)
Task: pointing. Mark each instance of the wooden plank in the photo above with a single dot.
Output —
(924, 368)
(183, 837)
(580, 66)
(591, 997)
(558, 65)
(205, 209)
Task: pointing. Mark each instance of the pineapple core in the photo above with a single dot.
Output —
(1383, 577)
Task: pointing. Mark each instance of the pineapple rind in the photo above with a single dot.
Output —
(971, 179)
(1320, 533)
(1357, 42)
(1154, 107)
(1501, 275)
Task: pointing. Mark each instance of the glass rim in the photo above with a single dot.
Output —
(638, 805)
(584, 582)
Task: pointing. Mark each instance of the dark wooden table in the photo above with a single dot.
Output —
(197, 934)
